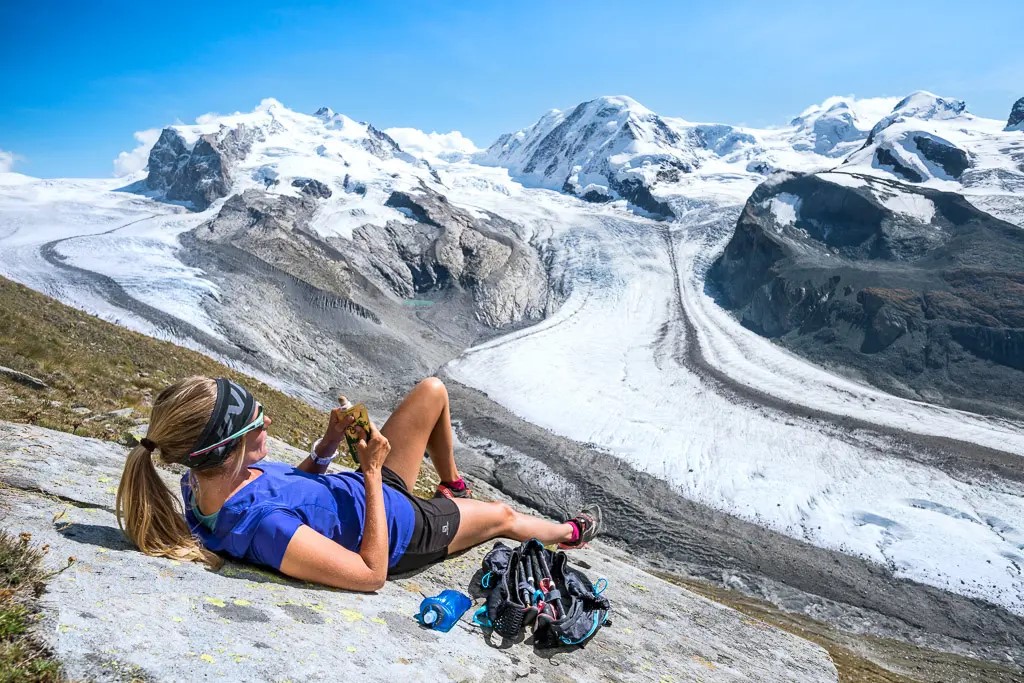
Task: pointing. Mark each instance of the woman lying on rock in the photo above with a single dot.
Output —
(348, 530)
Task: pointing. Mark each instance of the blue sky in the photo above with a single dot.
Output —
(79, 78)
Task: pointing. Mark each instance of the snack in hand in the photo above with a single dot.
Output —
(352, 433)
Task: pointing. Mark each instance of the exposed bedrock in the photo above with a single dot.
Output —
(199, 174)
(1016, 119)
(940, 154)
(448, 248)
(915, 290)
(393, 301)
(952, 159)
(313, 188)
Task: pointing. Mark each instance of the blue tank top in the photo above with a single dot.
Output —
(257, 523)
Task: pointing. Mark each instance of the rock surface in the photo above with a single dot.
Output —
(450, 248)
(1016, 118)
(916, 289)
(22, 378)
(119, 615)
(389, 303)
(199, 175)
(312, 187)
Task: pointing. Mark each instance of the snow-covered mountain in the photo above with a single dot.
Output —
(839, 125)
(936, 142)
(615, 148)
(324, 252)
(276, 150)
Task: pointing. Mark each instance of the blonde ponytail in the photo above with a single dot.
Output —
(151, 516)
(147, 511)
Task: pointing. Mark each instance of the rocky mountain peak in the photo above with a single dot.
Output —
(201, 173)
(166, 158)
(598, 150)
(324, 113)
(1016, 119)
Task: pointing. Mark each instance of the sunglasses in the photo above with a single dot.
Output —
(257, 423)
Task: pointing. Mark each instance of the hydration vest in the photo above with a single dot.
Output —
(531, 586)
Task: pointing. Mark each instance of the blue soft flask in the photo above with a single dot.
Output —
(442, 611)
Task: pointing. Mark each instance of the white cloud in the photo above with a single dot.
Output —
(446, 146)
(127, 163)
(7, 160)
(268, 103)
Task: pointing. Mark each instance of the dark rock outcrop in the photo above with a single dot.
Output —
(886, 158)
(199, 175)
(636, 192)
(926, 306)
(951, 158)
(1016, 118)
(380, 144)
(313, 188)
(166, 160)
(204, 178)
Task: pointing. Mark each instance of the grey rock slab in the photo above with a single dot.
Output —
(22, 378)
(116, 614)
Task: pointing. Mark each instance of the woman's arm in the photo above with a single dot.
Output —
(313, 557)
(326, 447)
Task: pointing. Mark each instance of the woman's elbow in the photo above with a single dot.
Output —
(371, 584)
(373, 580)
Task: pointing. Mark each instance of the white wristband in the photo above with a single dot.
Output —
(321, 462)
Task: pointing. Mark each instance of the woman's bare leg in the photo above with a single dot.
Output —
(422, 422)
(481, 521)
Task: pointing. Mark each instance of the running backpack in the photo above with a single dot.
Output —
(531, 586)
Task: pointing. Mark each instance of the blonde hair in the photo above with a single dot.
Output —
(148, 513)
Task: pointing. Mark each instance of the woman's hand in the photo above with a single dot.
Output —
(372, 453)
(336, 426)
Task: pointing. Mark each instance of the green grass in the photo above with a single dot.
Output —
(94, 367)
(22, 577)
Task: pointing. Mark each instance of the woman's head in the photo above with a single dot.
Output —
(212, 426)
(204, 423)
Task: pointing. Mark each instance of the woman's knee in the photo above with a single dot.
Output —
(506, 517)
(434, 387)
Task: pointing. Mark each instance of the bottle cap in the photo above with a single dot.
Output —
(430, 616)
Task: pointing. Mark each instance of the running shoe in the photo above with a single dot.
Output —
(588, 521)
(446, 491)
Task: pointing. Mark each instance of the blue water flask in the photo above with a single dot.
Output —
(443, 610)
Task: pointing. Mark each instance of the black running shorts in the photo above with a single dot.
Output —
(437, 520)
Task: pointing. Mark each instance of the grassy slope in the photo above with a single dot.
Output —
(22, 657)
(93, 365)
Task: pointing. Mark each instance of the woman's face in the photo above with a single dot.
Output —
(256, 446)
